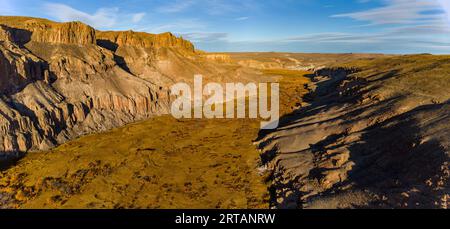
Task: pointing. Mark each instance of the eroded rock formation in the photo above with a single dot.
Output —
(144, 40)
(375, 136)
(56, 83)
(62, 80)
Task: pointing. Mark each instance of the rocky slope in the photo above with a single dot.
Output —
(374, 136)
(62, 80)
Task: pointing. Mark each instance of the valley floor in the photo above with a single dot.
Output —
(159, 163)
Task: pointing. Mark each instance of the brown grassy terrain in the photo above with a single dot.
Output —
(159, 163)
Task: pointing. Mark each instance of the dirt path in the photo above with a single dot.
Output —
(159, 163)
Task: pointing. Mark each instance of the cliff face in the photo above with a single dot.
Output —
(165, 59)
(56, 83)
(144, 40)
(62, 80)
(18, 67)
(157, 58)
(24, 30)
(66, 33)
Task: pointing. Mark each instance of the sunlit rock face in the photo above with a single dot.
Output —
(56, 83)
(62, 80)
(371, 126)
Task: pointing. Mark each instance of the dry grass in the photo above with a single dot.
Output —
(159, 163)
(414, 74)
(292, 88)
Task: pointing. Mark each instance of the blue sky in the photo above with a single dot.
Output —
(381, 26)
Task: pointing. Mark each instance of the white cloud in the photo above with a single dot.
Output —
(336, 38)
(410, 24)
(137, 17)
(242, 18)
(102, 18)
(211, 7)
(398, 12)
(408, 37)
(205, 36)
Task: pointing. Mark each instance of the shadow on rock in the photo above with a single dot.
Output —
(9, 159)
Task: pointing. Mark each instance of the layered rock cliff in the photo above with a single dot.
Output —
(57, 83)
(63, 80)
(24, 30)
(144, 40)
(18, 67)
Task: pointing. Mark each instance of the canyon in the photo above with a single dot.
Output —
(64, 80)
(374, 136)
(84, 123)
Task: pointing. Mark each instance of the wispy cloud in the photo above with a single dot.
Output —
(382, 25)
(137, 17)
(211, 7)
(103, 17)
(402, 23)
(410, 24)
(205, 37)
(399, 12)
(407, 37)
(242, 18)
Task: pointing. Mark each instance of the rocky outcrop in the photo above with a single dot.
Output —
(217, 57)
(63, 80)
(42, 115)
(143, 40)
(25, 30)
(65, 33)
(19, 68)
(165, 59)
(5, 34)
(57, 84)
(373, 137)
(260, 64)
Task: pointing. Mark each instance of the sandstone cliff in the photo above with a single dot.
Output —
(56, 83)
(18, 67)
(62, 80)
(25, 30)
(144, 40)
